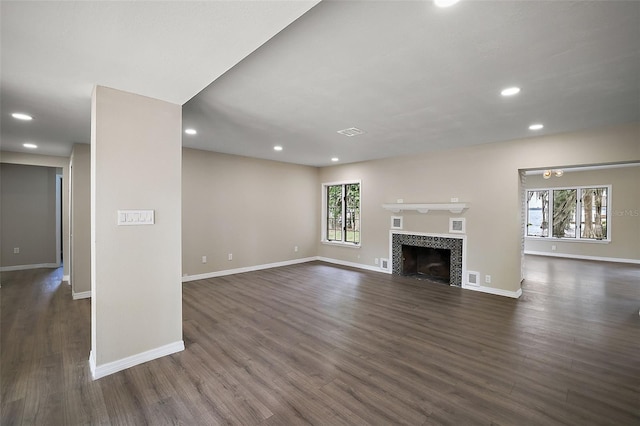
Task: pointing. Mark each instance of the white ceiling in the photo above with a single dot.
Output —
(414, 77)
(54, 52)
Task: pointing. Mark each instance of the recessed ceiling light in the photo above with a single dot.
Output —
(21, 116)
(190, 131)
(510, 91)
(334, 159)
(351, 131)
(30, 145)
(536, 126)
(277, 148)
(445, 3)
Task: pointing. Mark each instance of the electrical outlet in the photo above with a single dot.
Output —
(204, 259)
(230, 256)
(295, 248)
(16, 250)
(487, 279)
(375, 261)
(553, 247)
(454, 199)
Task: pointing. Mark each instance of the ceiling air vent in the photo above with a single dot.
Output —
(351, 131)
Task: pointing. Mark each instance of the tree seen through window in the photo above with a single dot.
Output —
(343, 213)
(579, 212)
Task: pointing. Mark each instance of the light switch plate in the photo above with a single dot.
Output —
(136, 217)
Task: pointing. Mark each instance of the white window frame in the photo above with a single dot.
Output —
(323, 236)
(578, 238)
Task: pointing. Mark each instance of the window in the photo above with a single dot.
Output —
(342, 213)
(537, 213)
(564, 213)
(593, 218)
(578, 213)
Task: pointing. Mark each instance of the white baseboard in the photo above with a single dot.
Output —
(99, 371)
(279, 264)
(491, 290)
(188, 278)
(26, 267)
(581, 257)
(66, 278)
(483, 289)
(353, 264)
(92, 363)
(81, 295)
(496, 291)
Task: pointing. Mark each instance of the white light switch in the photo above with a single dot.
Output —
(136, 217)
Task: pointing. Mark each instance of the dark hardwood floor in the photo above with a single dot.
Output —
(326, 345)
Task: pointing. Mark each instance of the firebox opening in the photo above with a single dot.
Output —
(427, 263)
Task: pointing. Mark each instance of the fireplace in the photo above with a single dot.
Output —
(434, 257)
(426, 263)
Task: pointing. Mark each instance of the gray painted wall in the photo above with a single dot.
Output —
(487, 176)
(624, 215)
(28, 200)
(136, 163)
(81, 220)
(257, 210)
(48, 161)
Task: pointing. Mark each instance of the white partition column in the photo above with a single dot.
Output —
(136, 156)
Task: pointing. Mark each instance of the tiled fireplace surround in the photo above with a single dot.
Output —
(453, 243)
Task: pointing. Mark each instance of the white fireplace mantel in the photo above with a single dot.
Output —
(425, 207)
